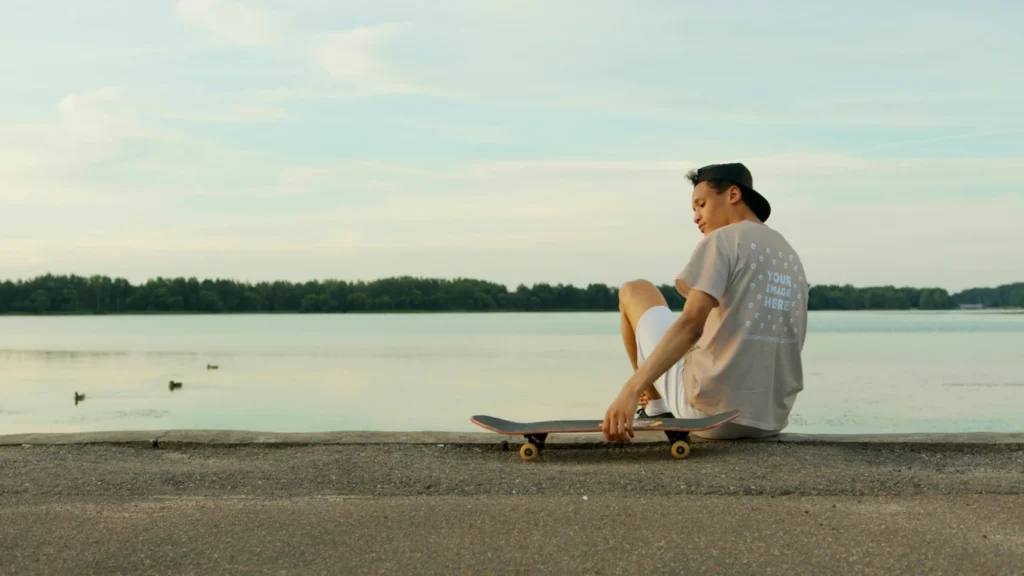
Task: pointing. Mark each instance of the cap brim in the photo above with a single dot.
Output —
(758, 204)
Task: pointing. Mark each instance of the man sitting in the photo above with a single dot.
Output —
(738, 342)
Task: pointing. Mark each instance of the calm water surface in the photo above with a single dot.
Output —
(864, 371)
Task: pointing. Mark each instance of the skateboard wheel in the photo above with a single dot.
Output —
(529, 451)
(680, 449)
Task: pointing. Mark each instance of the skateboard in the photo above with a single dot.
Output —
(677, 429)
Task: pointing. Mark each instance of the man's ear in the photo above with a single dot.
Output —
(735, 195)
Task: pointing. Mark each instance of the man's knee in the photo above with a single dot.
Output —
(636, 289)
(638, 296)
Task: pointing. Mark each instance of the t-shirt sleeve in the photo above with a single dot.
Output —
(710, 267)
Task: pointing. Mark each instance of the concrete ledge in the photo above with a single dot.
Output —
(228, 437)
(917, 438)
(244, 437)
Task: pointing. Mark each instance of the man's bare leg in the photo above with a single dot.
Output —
(635, 298)
(629, 339)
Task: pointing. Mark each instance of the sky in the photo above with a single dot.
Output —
(514, 141)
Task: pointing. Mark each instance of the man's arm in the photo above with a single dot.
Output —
(683, 288)
(677, 341)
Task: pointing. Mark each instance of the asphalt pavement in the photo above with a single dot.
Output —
(473, 508)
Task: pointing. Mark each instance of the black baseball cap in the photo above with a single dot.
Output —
(736, 173)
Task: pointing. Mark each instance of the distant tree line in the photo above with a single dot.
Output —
(832, 297)
(102, 295)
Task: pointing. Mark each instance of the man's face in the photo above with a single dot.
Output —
(711, 209)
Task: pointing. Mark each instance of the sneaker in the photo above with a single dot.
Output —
(642, 414)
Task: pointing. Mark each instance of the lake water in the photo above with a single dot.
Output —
(864, 371)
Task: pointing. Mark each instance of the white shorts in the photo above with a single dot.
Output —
(649, 331)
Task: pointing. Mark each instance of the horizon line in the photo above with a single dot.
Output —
(510, 287)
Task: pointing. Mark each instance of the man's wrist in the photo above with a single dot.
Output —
(635, 385)
(674, 344)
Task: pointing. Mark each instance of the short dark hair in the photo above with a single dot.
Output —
(722, 177)
(716, 184)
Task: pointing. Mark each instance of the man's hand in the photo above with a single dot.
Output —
(618, 421)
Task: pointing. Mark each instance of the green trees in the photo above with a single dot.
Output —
(100, 294)
(1005, 295)
(1016, 297)
(935, 299)
(832, 297)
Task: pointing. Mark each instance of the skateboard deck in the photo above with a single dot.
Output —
(677, 429)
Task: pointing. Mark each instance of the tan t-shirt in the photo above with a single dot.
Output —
(749, 355)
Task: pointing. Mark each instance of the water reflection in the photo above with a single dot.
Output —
(864, 372)
(115, 415)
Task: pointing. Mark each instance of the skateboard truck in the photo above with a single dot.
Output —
(680, 443)
(534, 444)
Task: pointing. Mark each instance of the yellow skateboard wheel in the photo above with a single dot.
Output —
(529, 452)
(680, 449)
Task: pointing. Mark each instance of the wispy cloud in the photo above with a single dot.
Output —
(476, 133)
(87, 101)
(359, 57)
(229, 21)
(973, 135)
(96, 117)
(102, 146)
(255, 113)
(88, 128)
